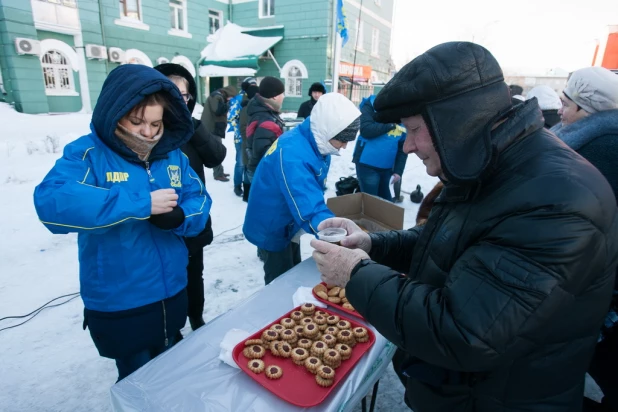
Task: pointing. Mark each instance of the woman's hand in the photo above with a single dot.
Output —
(163, 201)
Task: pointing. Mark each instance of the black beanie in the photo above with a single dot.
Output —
(252, 90)
(349, 133)
(271, 87)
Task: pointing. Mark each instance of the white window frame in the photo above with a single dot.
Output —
(375, 42)
(360, 29)
(270, 5)
(65, 3)
(130, 21)
(219, 17)
(294, 84)
(177, 7)
(55, 69)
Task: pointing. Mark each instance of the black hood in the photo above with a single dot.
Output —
(168, 69)
(459, 89)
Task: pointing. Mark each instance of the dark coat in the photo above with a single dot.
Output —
(243, 120)
(305, 108)
(506, 284)
(214, 115)
(263, 129)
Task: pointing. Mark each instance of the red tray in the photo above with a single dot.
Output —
(297, 385)
(336, 305)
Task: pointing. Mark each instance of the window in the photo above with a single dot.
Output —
(294, 82)
(57, 74)
(360, 28)
(130, 9)
(375, 42)
(267, 8)
(178, 15)
(214, 21)
(68, 3)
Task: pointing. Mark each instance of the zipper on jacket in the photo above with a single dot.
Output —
(148, 171)
(165, 324)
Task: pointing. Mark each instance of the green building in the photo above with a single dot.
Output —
(56, 54)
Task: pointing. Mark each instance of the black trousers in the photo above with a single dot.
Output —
(195, 284)
(277, 263)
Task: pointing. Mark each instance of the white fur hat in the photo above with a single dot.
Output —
(547, 97)
(594, 89)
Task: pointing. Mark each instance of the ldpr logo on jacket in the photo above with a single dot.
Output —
(173, 172)
(116, 177)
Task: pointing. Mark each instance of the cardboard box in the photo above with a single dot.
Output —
(372, 213)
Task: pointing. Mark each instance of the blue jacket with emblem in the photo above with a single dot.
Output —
(287, 191)
(379, 145)
(100, 190)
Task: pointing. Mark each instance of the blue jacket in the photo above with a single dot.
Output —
(287, 191)
(379, 145)
(100, 190)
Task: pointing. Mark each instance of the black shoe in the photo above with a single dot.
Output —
(399, 200)
(245, 192)
(226, 174)
(238, 190)
(222, 178)
(196, 323)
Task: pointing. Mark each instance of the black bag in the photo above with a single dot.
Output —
(347, 186)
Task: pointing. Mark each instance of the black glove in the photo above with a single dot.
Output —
(170, 220)
(205, 238)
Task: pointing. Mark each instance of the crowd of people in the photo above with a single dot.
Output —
(501, 298)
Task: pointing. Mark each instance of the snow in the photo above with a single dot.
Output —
(50, 363)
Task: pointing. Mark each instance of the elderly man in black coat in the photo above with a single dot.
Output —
(496, 302)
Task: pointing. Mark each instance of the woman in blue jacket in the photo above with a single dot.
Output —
(128, 192)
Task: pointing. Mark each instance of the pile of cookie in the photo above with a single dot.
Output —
(333, 294)
(311, 338)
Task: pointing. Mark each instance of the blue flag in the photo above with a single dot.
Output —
(342, 24)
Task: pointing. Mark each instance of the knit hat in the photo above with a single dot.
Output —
(248, 81)
(271, 87)
(317, 87)
(349, 133)
(252, 90)
(594, 89)
(547, 97)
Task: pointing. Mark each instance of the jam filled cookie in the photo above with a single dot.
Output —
(323, 382)
(299, 355)
(326, 372)
(318, 348)
(332, 358)
(346, 336)
(304, 343)
(312, 364)
(330, 340)
(285, 349)
(319, 320)
(251, 342)
(331, 330)
(274, 372)
(288, 323)
(344, 350)
(360, 334)
(277, 327)
(288, 335)
(297, 316)
(306, 321)
(270, 335)
(274, 347)
(254, 352)
(332, 320)
(311, 330)
(343, 324)
(256, 365)
(308, 308)
(321, 313)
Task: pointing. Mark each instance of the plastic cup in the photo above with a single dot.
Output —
(332, 235)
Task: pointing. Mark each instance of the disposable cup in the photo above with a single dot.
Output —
(332, 235)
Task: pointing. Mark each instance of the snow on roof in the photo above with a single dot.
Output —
(230, 43)
(211, 70)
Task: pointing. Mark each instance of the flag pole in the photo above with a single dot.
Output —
(336, 51)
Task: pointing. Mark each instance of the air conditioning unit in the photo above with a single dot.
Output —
(27, 46)
(163, 60)
(94, 51)
(116, 55)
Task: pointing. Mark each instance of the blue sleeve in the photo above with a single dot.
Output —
(369, 128)
(195, 203)
(303, 193)
(68, 199)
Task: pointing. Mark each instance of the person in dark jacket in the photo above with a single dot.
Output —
(549, 102)
(203, 150)
(316, 91)
(131, 196)
(214, 118)
(265, 126)
(505, 287)
(590, 127)
(378, 153)
(252, 90)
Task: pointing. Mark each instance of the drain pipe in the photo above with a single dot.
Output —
(103, 35)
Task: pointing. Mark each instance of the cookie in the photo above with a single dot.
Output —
(306, 321)
(318, 348)
(322, 295)
(331, 330)
(360, 334)
(349, 307)
(251, 342)
(332, 319)
(326, 372)
(344, 350)
(277, 327)
(330, 340)
(287, 323)
(285, 349)
(312, 364)
(273, 372)
(346, 336)
(310, 330)
(334, 291)
(344, 300)
(320, 288)
(299, 355)
(256, 365)
(297, 315)
(288, 335)
(342, 294)
(270, 335)
(308, 308)
(304, 343)
(254, 352)
(321, 313)
(299, 330)
(343, 324)
(332, 358)
(274, 347)
(323, 382)
(334, 299)
(319, 319)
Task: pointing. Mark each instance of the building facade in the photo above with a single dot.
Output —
(56, 54)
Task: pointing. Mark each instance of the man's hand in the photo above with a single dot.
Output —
(335, 263)
(396, 178)
(163, 201)
(356, 238)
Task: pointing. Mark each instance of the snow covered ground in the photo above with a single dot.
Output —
(50, 363)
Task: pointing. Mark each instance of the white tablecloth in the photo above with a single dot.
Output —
(190, 377)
